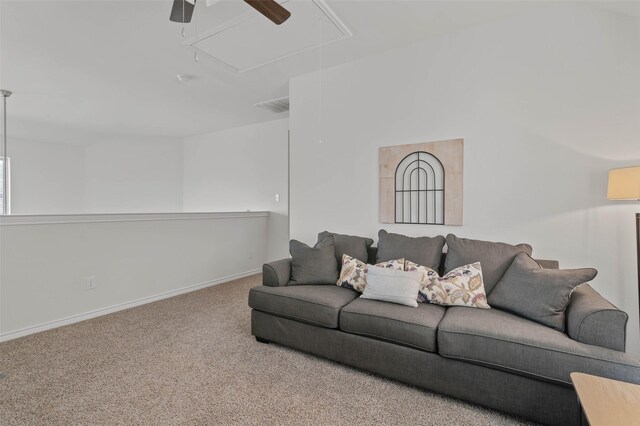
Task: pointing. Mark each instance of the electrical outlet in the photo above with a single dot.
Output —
(90, 283)
(277, 198)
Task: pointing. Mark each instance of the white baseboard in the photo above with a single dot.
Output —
(119, 307)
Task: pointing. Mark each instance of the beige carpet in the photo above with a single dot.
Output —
(192, 360)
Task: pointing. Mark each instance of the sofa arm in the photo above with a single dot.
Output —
(591, 319)
(276, 274)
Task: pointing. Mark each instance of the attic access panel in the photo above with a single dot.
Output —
(251, 41)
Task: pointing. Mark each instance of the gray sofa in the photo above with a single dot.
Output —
(488, 357)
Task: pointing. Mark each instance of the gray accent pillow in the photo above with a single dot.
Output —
(349, 244)
(425, 251)
(541, 295)
(495, 258)
(313, 265)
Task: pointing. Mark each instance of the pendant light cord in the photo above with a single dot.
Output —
(320, 78)
(4, 154)
(195, 43)
(5, 94)
(183, 6)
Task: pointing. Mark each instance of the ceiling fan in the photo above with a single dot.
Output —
(182, 10)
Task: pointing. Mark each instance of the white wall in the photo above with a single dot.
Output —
(546, 103)
(46, 177)
(117, 175)
(133, 174)
(233, 170)
(134, 259)
(242, 169)
(137, 258)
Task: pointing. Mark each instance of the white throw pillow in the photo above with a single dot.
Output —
(390, 285)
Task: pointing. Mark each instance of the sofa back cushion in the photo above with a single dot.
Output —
(313, 265)
(372, 253)
(494, 257)
(351, 245)
(425, 251)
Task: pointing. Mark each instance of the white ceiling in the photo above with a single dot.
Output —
(84, 69)
(312, 25)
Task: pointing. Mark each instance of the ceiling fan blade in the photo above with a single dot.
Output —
(271, 9)
(177, 14)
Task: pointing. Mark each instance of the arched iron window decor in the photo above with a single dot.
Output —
(419, 190)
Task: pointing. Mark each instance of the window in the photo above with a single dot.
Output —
(419, 190)
(5, 198)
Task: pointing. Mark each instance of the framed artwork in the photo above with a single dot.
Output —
(422, 183)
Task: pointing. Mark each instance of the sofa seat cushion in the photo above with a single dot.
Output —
(414, 327)
(313, 304)
(504, 341)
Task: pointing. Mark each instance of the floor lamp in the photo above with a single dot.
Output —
(624, 184)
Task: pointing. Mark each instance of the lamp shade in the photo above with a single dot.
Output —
(624, 184)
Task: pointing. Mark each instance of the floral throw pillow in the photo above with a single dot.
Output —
(426, 276)
(353, 274)
(462, 286)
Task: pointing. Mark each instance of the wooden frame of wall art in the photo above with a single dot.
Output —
(422, 183)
